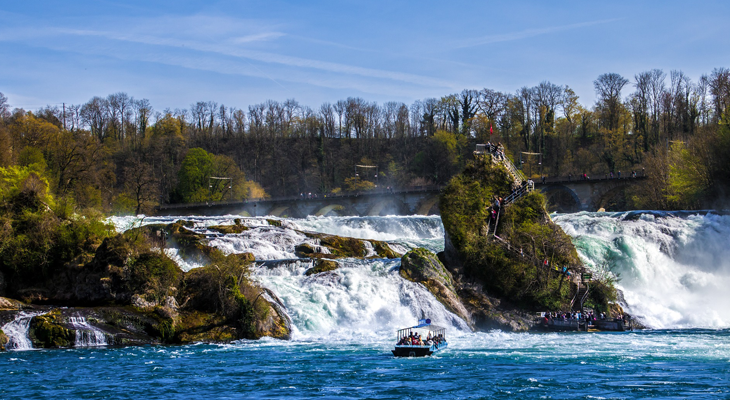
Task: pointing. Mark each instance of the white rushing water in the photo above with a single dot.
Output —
(87, 335)
(17, 331)
(363, 298)
(673, 268)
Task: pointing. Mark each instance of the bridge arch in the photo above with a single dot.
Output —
(331, 210)
(612, 199)
(279, 211)
(388, 206)
(427, 206)
(561, 198)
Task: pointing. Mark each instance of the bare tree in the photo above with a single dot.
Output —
(719, 83)
(4, 107)
(608, 88)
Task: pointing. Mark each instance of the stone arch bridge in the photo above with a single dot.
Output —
(414, 201)
(570, 195)
(563, 195)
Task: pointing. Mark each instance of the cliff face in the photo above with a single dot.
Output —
(422, 266)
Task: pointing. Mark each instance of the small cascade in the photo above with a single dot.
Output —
(369, 249)
(17, 331)
(87, 335)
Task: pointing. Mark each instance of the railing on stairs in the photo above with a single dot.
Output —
(581, 295)
(517, 176)
(519, 192)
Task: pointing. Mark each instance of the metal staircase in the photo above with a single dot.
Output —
(580, 297)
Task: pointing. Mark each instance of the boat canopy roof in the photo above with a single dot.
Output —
(425, 324)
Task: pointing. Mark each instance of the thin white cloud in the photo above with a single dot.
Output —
(506, 37)
(257, 37)
(235, 51)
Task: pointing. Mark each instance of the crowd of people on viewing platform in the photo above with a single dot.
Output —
(590, 317)
(608, 176)
(415, 339)
(496, 149)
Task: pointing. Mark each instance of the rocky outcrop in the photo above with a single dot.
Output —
(47, 331)
(322, 265)
(422, 266)
(490, 313)
(3, 340)
(498, 268)
(135, 294)
(237, 227)
(343, 247)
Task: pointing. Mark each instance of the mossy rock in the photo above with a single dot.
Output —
(10, 304)
(322, 265)
(383, 249)
(306, 250)
(343, 247)
(3, 340)
(274, 222)
(420, 265)
(237, 227)
(242, 258)
(185, 223)
(47, 331)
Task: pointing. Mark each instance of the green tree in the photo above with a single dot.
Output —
(207, 177)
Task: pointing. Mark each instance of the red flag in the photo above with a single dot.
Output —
(490, 129)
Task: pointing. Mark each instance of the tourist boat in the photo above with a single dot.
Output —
(432, 339)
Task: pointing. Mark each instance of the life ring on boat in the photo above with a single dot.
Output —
(411, 354)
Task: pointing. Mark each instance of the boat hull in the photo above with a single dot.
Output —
(416, 351)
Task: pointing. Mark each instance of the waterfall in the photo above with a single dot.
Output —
(87, 335)
(17, 331)
(363, 299)
(673, 268)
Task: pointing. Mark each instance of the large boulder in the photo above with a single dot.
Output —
(422, 266)
(47, 331)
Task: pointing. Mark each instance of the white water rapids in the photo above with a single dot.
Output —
(672, 268)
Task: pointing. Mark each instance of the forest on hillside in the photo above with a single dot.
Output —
(118, 154)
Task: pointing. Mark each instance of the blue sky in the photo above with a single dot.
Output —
(238, 53)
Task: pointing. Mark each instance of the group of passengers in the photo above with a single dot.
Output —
(415, 339)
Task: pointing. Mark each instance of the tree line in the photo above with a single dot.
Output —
(118, 153)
